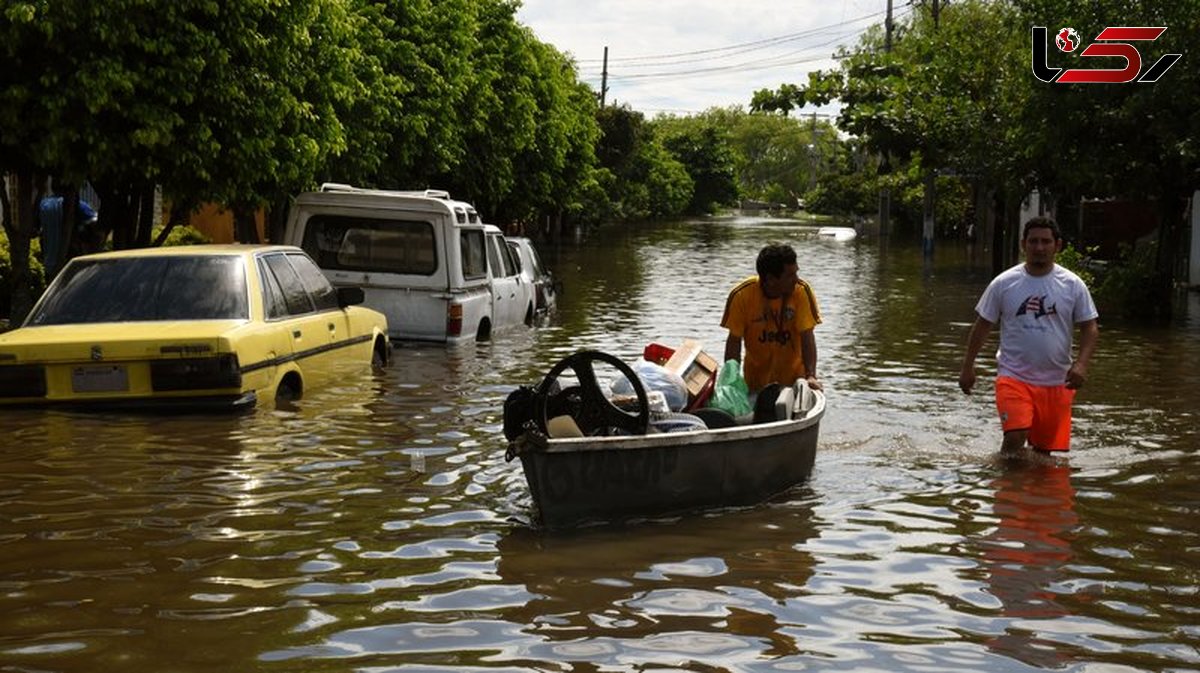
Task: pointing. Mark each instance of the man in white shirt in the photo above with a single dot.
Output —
(1037, 304)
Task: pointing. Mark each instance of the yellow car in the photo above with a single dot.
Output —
(190, 326)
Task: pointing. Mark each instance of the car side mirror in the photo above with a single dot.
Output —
(350, 296)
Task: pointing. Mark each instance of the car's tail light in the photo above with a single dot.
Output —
(22, 381)
(196, 373)
(454, 319)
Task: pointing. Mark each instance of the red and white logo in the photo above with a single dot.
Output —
(1112, 43)
(1067, 40)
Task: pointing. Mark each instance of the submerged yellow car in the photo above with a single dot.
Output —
(190, 326)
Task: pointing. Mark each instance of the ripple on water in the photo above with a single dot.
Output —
(376, 525)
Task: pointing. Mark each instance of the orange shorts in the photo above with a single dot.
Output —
(1045, 411)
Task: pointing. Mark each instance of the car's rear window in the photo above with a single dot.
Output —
(177, 287)
(371, 244)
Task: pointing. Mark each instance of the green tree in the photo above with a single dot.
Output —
(1139, 141)
(551, 174)
(850, 185)
(230, 102)
(423, 112)
(640, 177)
(779, 159)
(936, 102)
(705, 150)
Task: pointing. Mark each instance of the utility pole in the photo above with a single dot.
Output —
(885, 192)
(887, 24)
(930, 182)
(812, 144)
(604, 79)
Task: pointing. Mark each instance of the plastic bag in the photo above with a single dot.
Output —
(731, 394)
(655, 377)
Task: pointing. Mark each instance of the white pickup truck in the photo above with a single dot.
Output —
(425, 261)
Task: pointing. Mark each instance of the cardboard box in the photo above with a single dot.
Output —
(697, 368)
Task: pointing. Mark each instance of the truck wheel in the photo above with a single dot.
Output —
(485, 330)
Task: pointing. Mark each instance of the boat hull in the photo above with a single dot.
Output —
(581, 480)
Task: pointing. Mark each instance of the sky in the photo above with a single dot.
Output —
(684, 56)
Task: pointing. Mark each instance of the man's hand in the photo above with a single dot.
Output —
(966, 379)
(814, 383)
(1076, 376)
(975, 340)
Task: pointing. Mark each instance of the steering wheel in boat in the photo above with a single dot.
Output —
(586, 403)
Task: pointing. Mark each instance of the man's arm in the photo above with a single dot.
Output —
(975, 340)
(808, 353)
(1089, 336)
(733, 348)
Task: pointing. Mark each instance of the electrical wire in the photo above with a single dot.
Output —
(732, 50)
(791, 58)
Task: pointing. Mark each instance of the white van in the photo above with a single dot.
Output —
(425, 261)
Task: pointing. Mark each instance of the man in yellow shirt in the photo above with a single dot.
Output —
(774, 313)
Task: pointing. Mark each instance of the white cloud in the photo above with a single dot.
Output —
(747, 44)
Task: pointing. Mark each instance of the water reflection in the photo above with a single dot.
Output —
(1024, 555)
(614, 596)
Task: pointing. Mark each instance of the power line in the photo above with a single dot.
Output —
(734, 49)
(777, 61)
(792, 58)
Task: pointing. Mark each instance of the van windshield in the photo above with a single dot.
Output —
(371, 244)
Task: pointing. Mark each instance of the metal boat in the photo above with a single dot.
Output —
(606, 476)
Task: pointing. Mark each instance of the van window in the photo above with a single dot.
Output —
(512, 265)
(371, 244)
(536, 262)
(499, 258)
(470, 248)
(516, 255)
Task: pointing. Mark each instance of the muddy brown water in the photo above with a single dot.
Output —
(377, 526)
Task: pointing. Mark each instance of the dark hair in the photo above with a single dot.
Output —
(1042, 223)
(773, 258)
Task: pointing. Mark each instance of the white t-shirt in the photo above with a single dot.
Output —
(1037, 316)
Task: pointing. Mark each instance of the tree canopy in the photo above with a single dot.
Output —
(243, 103)
(942, 102)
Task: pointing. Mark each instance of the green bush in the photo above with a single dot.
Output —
(182, 235)
(36, 271)
(1133, 285)
(1078, 261)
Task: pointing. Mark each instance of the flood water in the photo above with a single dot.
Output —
(377, 526)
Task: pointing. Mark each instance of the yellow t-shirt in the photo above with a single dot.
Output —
(770, 330)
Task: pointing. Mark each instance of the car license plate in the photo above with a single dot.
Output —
(99, 379)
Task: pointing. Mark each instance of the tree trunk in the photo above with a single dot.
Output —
(1161, 285)
(19, 218)
(928, 223)
(179, 216)
(146, 216)
(120, 214)
(979, 232)
(998, 238)
(277, 218)
(245, 228)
